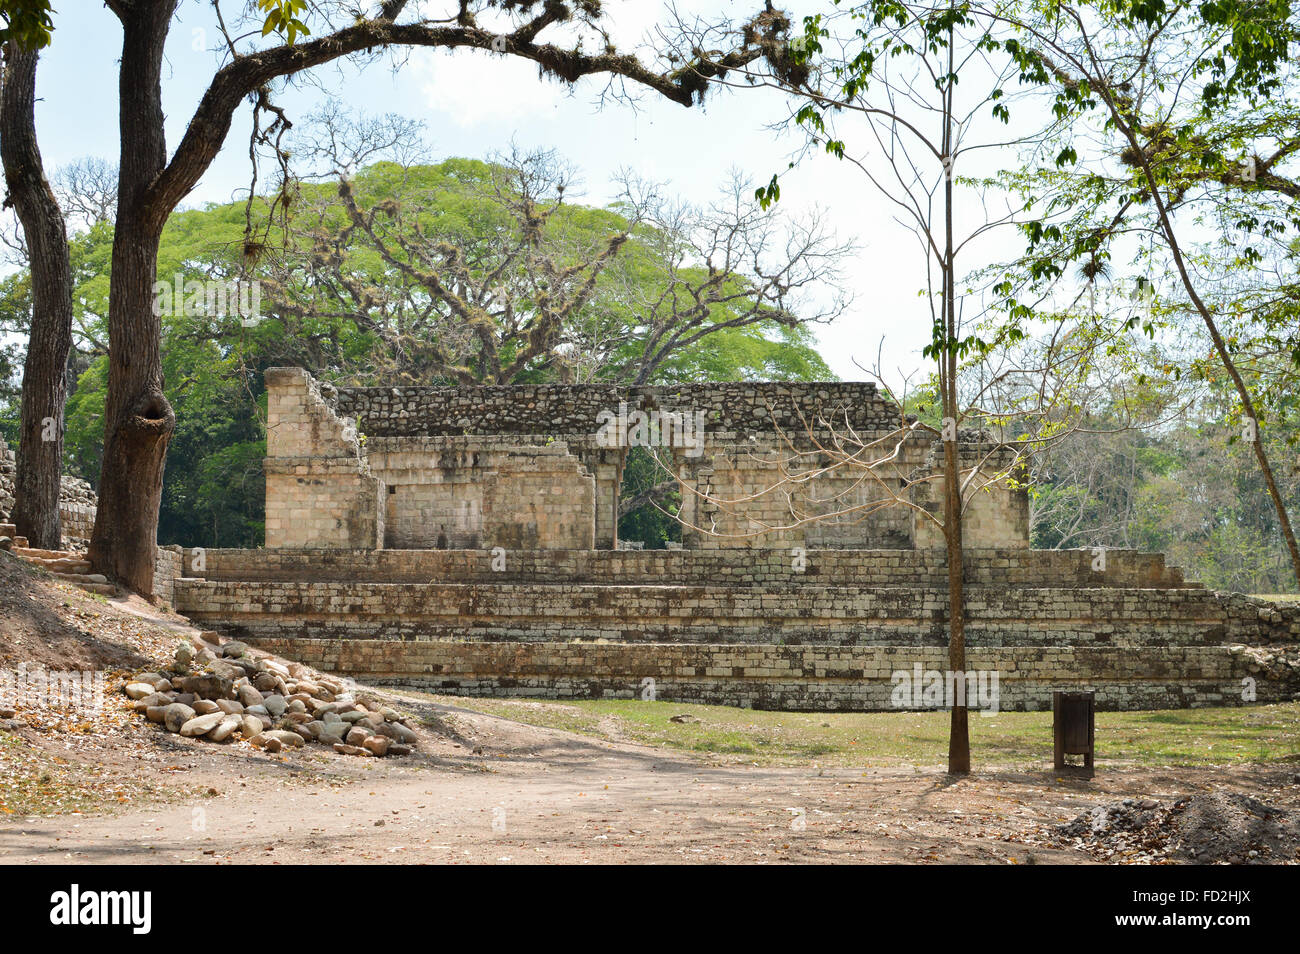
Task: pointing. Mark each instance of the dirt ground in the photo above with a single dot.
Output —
(489, 791)
(484, 789)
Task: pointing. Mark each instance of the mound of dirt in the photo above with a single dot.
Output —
(1229, 826)
(1219, 827)
(57, 626)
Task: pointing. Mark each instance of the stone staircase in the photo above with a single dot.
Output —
(741, 627)
(66, 566)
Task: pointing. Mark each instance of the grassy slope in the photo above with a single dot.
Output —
(1169, 737)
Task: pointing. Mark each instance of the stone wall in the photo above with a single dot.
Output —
(7, 468)
(671, 613)
(757, 492)
(541, 466)
(574, 409)
(743, 627)
(442, 493)
(798, 678)
(1013, 568)
(995, 512)
(167, 570)
(77, 502)
(319, 488)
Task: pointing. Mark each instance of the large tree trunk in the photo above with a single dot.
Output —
(40, 441)
(138, 421)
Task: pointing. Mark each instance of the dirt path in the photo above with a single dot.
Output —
(489, 790)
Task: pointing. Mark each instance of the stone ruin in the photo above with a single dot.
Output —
(464, 540)
(541, 467)
(77, 502)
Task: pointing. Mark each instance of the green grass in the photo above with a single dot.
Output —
(1172, 737)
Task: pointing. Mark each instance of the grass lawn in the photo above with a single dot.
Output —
(1168, 737)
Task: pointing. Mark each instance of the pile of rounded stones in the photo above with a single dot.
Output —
(227, 692)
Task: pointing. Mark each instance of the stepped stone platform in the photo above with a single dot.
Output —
(742, 626)
(1006, 567)
(465, 540)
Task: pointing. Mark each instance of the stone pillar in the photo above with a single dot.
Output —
(320, 492)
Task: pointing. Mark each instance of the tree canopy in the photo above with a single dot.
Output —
(331, 302)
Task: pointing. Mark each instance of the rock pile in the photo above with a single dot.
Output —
(1205, 828)
(225, 692)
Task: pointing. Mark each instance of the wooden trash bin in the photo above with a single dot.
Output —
(1073, 730)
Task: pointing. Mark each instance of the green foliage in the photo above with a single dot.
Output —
(1185, 488)
(391, 300)
(83, 436)
(213, 487)
(27, 23)
(213, 492)
(652, 525)
(284, 17)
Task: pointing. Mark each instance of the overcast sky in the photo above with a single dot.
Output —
(475, 103)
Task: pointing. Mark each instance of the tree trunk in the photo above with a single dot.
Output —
(1256, 437)
(40, 441)
(959, 729)
(1127, 130)
(138, 420)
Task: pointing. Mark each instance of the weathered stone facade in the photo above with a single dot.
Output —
(463, 540)
(319, 490)
(535, 467)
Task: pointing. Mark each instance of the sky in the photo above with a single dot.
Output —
(474, 104)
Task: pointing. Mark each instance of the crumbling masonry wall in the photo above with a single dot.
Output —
(534, 466)
(320, 491)
(77, 501)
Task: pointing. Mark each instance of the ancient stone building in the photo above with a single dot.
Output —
(464, 540)
(541, 467)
